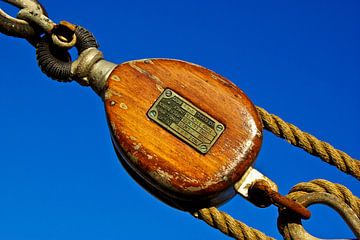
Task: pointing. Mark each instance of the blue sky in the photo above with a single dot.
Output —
(59, 176)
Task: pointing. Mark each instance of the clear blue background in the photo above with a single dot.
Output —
(59, 176)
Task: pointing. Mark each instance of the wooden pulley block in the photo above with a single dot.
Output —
(183, 132)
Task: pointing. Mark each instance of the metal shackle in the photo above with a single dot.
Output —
(291, 226)
(17, 27)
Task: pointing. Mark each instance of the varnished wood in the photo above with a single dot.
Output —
(164, 164)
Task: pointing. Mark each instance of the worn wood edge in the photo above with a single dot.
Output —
(164, 195)
(181, 202)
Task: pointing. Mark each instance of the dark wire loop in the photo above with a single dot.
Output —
(51, 58)
(19, 28)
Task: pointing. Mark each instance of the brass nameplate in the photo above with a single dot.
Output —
(183, 119)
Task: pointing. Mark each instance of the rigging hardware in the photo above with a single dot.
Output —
(181, 182)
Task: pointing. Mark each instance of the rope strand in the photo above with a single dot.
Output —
(292, 134)
(228, 225)
(321, 185)
(310, 144)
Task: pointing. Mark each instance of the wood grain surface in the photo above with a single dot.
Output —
(165, 165)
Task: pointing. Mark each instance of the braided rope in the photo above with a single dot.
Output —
(228, 225)
(236, 229)
(321, 185)
(310, 144)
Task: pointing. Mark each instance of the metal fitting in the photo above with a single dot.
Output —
(99, 73)
(37, 18)
(63, 35)
(262, 195)
(80, 69)
(291, 227)
(20, 28)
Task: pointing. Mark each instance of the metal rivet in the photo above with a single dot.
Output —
(152, 113)
(219, 128)
(203, 148)
(112, 103)
(168, 93)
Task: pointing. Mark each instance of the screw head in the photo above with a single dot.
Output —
(219, 128)
(152, 113)
(168, 93)
(203, 148)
